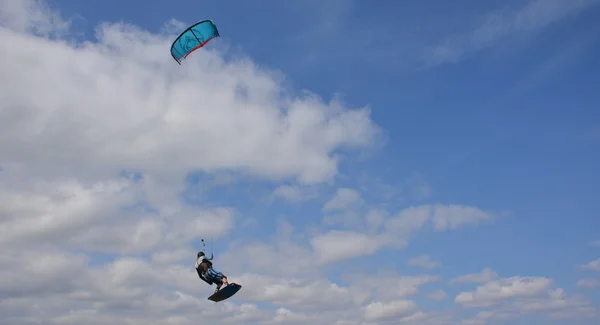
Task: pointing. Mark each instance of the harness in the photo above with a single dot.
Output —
(200, 274)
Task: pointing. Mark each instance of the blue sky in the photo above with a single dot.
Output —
(510, 128)
(479, 103)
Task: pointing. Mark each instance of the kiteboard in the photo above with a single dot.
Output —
(225, 292)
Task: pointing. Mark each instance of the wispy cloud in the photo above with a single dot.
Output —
(592, 266)
(588, 283)
(343, 199)
(295, 194)
(438, 295)
(485, 275)
(532, 17)
(423, 261)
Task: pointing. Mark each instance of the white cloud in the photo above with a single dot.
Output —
(173, 255)
(337, 245)
(123, 103)
(443, 217)
(32, 16)
(592, 266)
(391, 310)
(368, 237)
(374, 219)
(588, 283)
(423, 261)
(286, 316)
(517, 296)
(55, 210)
(297, 292)
(409, 220)
(595, 243)
(294, 193)
(391, 286)
(558, 305)
(344, 198)
(449, 217)
(99, 217)
(405, 286)
(48, 271)
(484, 317)
(280, 257)
(494, 291)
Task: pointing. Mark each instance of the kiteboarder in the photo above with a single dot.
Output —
(207, 273)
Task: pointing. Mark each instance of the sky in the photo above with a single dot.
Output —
(348, 162)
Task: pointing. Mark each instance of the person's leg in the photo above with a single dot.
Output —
(213, 276)
(222, 278)
(223, 281)
(217, 277)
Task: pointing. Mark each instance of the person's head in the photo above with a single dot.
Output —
(200, 254)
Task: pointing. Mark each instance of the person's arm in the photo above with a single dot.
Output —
(211, 257)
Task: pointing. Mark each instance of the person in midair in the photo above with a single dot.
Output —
(205, 270)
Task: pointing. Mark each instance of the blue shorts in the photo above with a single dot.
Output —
(214, 276)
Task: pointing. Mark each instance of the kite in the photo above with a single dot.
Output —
(193, 38)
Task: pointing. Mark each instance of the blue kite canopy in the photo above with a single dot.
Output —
(193, 38)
